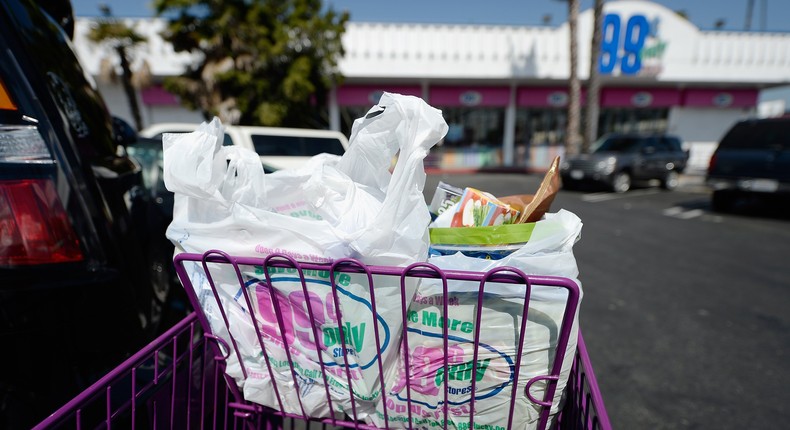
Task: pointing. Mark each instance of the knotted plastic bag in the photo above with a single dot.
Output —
(547, 252)
(333, 207)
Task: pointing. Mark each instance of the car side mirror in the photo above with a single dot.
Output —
(123, 133)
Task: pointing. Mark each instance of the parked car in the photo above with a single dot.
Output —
(752, 159)
(617, 161)
(82, 246)
(279, 148)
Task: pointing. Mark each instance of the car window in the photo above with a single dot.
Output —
(297, 146)
(619, 144)
(662, 145)
(650, 145)
(672, 144)
(758, 135)
(226, 142)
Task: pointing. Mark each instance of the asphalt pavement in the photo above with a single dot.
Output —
(684, 310)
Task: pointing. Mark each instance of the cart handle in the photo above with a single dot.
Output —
(224, 348)
(534, 380)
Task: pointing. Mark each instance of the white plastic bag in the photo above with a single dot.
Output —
(332, 208)
(548, 252)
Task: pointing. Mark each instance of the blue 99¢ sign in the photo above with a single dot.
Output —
(622, 47)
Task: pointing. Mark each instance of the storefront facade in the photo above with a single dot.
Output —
(503, 90)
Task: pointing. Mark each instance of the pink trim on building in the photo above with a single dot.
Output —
(470, 96)
(551, 97)
(720, 98)
(368, 95)
(640, 97)
(158, 96)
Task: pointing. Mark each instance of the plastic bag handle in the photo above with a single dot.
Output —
(398, 124)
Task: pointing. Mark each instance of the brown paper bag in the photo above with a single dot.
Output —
(533, 207)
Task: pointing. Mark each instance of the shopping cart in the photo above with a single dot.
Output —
(183, 378)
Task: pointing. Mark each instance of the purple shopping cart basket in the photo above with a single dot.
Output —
(189, 377)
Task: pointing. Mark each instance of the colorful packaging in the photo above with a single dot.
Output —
(478, 208)
(490, 242)
(548, 250)
(445, 197)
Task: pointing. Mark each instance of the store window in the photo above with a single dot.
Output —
(474, 126)
(627, 120)
(541, 126)
(539, 133)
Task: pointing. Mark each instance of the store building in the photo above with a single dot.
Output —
(503, 89)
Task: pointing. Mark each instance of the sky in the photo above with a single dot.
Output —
(767, 15)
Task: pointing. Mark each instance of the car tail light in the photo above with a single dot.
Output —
(34, 225)
(5, 101)
(712, 163)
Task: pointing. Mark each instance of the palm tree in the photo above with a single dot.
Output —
(120, 38)
(749, 10)
(594, 82)
(574, 108)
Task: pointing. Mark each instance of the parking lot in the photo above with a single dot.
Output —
(683, 307)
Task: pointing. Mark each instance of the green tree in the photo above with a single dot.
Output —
(264, 62)
(111, 32)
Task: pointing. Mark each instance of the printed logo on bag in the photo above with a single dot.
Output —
(302, 316)
(434, 319)
(492, 373)
(462, 372)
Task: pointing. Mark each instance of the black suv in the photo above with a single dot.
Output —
(84, 263)
(752, 159)
(619, 160)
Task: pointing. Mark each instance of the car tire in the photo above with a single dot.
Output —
(670, 180)
(723, 201)
(157, 297)
(621, 182)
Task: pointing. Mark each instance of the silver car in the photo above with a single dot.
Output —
(617, 161)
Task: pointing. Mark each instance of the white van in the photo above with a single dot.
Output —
(279, 148)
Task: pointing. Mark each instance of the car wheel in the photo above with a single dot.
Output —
(723, 201)
(671, 180)
(159, 278)
(621, 182)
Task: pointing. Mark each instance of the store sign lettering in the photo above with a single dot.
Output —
(642, 99)
(470, 98)
(722, 99)
(632, 49)
(557, 99)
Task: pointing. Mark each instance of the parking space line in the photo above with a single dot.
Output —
(673, 211)
(681, 213)
(602, 197)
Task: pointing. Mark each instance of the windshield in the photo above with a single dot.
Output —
(296, 146)
(617, 144)
(758, 135)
